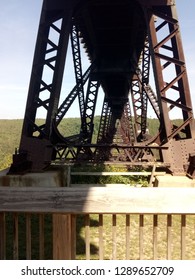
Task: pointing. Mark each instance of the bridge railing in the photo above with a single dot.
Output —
(97, 223)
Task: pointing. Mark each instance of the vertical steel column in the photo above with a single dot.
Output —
(170, 73)
(45, 84)
(48, 68)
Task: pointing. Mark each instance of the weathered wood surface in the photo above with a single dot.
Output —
(2, 237)
(98, 200)
(64, 239)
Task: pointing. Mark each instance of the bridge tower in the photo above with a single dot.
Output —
(136, 59)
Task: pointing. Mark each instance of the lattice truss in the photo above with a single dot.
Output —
(122, 136)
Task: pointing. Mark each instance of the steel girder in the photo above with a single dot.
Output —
(41, 142)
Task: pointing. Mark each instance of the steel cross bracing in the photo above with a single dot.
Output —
(145, 81)
(66, 104)
(113, 130)
(107, 124)
(89, 112)
(126, 42)
(139, 96)
(78, 90)
(127, 124)
(104, 123)
(78, 70)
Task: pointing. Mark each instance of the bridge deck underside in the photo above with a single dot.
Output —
(113, 33)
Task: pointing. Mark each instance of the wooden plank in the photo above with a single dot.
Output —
(98, 200)
(169, 236)
(28, 236)
(152, 176)
(2, 236)
(104, 185)
(155, 237)
(183, 237)
(15, 237)
(87, 236)
(62, 237)
(73, 237)
(114, 242)
(68, 176)
(141, 237)
(41, 237)
(101, 239)
(127, 237)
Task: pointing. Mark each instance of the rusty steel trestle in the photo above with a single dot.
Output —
(122, 54)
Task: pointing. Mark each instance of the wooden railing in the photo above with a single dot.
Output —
(151, 174)
(97, 223)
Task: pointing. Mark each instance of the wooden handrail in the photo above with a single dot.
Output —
(98, 200)
(107, 173)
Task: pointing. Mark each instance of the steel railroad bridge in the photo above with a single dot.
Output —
(130, 44)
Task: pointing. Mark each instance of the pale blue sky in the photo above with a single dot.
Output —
(19, 20)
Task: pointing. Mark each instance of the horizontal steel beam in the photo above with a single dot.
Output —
(156, 2)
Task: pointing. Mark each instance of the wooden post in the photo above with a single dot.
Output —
(15, 237)
(183, 237)
(114, 238)
(87, 236)
(169, 237)
(127, 236)
(2, 237)
(68, 175)
(152, 176)
(64, 230)
(41, 237)
(155, 236)
(101, 237)
(28, 236)
(63, 237)
(141, 237)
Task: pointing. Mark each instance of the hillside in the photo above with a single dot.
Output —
(9, 140)
(11, 132)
